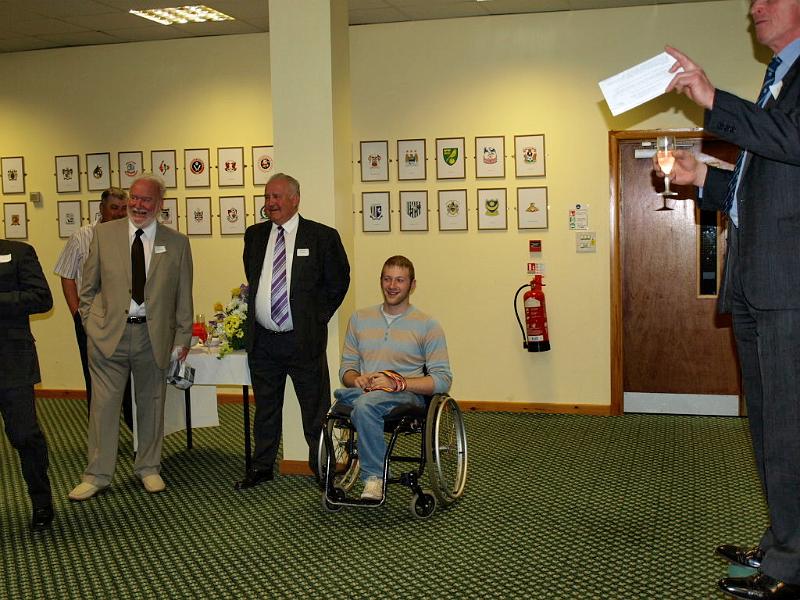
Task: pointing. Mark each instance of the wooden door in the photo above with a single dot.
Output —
(677, 354)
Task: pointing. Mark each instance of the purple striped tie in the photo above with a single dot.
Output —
(280, 300)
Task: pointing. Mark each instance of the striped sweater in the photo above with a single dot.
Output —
(412, 341)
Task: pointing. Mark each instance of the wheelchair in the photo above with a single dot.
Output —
(443, 448)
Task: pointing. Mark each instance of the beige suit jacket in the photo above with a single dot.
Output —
(105, 294)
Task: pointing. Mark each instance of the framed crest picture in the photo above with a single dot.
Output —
(414, 210)
(375, 161)
(13, 174)
(98, 171)
(16, 220)
(490, 159)
(452, 210)
(169, 213)
(532, 208)
(232, 215)
(492, 209)
(450, 158)
(198, 216)
(259, 210)
(529, 155)
(195, 169)
(94, 211)
(164, 163)
(411, 160)
(130, 167)
(263, 164)
(230, 167)
(375, 211)
(68, 177)
(69, 217)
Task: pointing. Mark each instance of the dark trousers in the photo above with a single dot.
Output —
(19, 414)
(127, 407)
(768, 342)
(272, 359)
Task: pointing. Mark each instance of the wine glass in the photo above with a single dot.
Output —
(665, 147)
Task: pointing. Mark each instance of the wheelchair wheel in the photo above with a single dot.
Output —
(345, 459)
(422, 505)
(446, 448)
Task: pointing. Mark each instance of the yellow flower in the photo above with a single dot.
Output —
(235, 292)
(218, 307)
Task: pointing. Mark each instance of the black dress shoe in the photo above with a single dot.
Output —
(746, 557)
(759, 587)
(42, 517)
(254, 477)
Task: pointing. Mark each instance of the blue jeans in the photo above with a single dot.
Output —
(369, 408)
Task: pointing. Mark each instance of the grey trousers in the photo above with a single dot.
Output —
(109, 378)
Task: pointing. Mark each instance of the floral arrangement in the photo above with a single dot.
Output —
(229, 322)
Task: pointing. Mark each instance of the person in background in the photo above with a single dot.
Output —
(113, 205)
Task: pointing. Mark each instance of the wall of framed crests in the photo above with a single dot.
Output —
(478, 77)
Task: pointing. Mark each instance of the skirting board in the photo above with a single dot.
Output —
(682, 404)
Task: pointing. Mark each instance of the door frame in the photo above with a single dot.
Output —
(615, 227)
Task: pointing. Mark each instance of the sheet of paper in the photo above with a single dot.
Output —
(635, 86)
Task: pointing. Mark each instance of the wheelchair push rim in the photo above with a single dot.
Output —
(447, 449)
(343, 438)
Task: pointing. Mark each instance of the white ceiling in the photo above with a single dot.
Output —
(36, 24)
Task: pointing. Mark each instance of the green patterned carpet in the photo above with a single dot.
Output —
(556, 507)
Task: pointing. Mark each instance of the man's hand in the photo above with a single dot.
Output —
(687, 170)
(692, 81)
(183, 352)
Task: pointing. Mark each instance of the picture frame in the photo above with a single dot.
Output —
(164, 163)
(94, 211)
(15, 215)
(232, 215)
(263, 164)
(168, 216)
(492, 208)
(532, 208)
(198, 216)
(259, 211)
(375, 160)
(195, 169)
(69, 217)
(98, 171)
(68, 174)
(230, 167)
(411, 160)
(453, 210)
(414, 210)
(450, 158)
(130, 167)
(13, 174)
(529, 155)
(490, 156)
(376, 211)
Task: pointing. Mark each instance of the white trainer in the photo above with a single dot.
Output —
(373, 488)
(153, 483)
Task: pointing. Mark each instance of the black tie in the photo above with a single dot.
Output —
(137, 268)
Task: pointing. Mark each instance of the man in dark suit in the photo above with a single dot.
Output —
(762, 278)
(23, 292)
(298, 275)
(136, 307)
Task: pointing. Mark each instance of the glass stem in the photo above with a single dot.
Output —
(666, 184)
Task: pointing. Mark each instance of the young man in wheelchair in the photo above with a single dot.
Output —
(393, 354)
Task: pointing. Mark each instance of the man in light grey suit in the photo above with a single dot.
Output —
(762, 278)
(136, 306)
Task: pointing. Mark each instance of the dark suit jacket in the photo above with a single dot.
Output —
(23, 292)
(318, 283)
(769, 191)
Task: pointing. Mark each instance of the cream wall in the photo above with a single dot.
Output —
(486, 76)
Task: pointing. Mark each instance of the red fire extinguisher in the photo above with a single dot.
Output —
(535, 335)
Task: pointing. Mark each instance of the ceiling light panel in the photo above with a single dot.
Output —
(182, 14)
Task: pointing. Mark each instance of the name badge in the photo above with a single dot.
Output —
(302, 252)
(160, 249)
(5, 258)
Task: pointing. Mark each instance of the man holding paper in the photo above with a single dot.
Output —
(762, 199)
